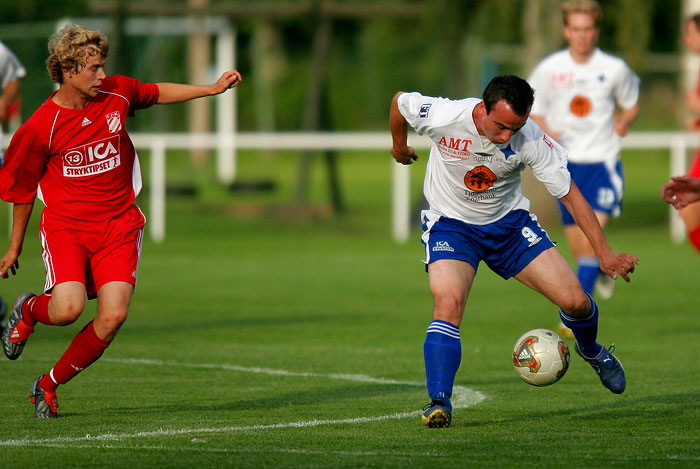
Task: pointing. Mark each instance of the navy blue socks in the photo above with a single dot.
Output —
(585, 330)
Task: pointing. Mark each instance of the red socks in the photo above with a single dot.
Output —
(85, 349)
(36, 309)
(694, 237)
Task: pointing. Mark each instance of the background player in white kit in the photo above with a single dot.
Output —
(11, 71)
(479, 213)
(576, 94)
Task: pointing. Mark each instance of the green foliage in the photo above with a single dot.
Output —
(451, 50)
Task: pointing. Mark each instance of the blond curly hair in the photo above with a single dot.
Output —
(590, 7)
(70, 47)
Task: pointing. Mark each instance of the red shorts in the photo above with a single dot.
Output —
(695, 169)
(93, 253)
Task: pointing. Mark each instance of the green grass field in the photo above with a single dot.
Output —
(263, 335)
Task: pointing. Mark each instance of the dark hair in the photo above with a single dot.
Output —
(513, 90)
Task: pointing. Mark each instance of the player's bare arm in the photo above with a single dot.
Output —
(692, 101)
(624, 119)
(170, 93)
(681, 191)
(539, 120)
(9, 93)
(400, 150)
(20, 219)
(612, 263)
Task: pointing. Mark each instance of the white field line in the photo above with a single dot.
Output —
(462, 397)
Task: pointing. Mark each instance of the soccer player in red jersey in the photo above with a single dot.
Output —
(690, 213)
(75, 155)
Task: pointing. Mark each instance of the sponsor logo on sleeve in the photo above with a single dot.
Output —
(424, 110)
(93, 158)
(547, 141)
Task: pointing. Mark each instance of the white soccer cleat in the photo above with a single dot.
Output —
(605, 286)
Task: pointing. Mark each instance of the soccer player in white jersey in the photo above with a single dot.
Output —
(478, 213)
(75, 155)
(577, 91)
(11, 71)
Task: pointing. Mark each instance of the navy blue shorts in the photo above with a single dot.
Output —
(601, 186)
(507, 246)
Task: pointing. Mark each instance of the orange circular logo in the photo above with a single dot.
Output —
(479, 179)
(580, 106)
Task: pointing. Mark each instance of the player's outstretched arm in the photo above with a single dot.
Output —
(624, 118)
(20, 219)
(400, 150)
(539, 120)
(9, 93)
(612, 263)
(681, 191)
(170, 93)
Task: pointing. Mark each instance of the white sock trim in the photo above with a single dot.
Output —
(445, 329)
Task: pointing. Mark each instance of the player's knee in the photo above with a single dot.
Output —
(448, 308)
(67, 312)
(113, 320)
(577, 304)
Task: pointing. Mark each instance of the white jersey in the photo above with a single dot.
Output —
(578, 100)
(468, 177)
(10, 69)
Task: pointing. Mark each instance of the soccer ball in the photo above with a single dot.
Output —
(540, 357)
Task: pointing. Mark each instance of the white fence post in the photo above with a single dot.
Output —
(677, 166)
(156, 218)
(401, 202)
(226, 109)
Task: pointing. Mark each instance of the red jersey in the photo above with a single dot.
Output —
(81, 163)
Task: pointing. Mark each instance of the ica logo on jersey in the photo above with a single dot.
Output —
(93, 158)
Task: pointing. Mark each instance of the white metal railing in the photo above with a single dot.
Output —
(158, 143)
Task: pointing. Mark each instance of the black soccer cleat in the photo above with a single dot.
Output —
(14, 349)
(608, 367)
(45, 402)
(438, 414)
